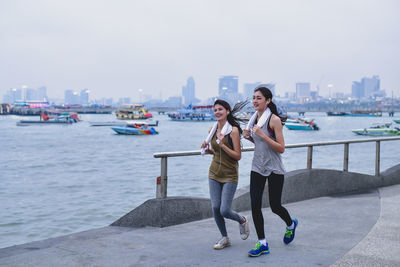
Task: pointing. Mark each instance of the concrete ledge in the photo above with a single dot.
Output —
(299, 185)
(169, 211)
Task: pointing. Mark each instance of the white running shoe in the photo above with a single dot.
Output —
(244, 228)
(222, 243)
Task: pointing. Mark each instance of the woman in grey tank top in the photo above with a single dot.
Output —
(267, 164)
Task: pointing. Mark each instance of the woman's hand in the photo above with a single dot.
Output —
(204, 145)
(207, 148)
(257, 130)
(246, 134)
(220, 138)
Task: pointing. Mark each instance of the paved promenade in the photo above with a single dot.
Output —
(361, 229)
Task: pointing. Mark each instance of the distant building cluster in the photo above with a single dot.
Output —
(74, 98)
(367, 88)
(25, 94)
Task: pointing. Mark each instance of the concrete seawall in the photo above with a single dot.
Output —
(299, 185)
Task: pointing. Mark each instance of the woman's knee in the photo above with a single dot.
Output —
(276, 207)
(225, 212)
(216, 209)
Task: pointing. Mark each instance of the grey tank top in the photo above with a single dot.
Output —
(265, 159)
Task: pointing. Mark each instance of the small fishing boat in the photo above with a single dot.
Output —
(378, 129)
(377, 132)
(135, 129)
(300, 126)
(303, 124)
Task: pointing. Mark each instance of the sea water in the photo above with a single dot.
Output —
(61, 179)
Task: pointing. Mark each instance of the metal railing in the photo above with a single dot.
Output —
(161, 190)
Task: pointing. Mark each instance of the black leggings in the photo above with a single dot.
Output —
(275, 186)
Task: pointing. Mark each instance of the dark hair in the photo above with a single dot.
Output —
(232, 119)
(267, 94)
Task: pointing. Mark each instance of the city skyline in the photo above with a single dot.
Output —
(115, 49)
(367, 89)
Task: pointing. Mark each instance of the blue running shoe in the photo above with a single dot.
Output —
(258, 250)
(289, 235)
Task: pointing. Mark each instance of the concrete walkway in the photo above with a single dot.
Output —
(345, 230)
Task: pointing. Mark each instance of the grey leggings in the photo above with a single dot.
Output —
(221, 195)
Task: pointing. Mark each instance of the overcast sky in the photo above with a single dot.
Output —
(116, 47)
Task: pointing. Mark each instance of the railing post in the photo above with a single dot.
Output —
(377, 158)
(309, 157)
(161, 189)
(346, 157)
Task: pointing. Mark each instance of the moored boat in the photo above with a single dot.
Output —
(135, 129)
(379, 129)
(294, 123)
(299, 126)
(195, 113)
(132, 112)
(64, 118)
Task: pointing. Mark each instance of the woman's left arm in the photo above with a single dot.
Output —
(236, 152)
(276, 126)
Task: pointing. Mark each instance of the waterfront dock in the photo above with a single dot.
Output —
(354, 229)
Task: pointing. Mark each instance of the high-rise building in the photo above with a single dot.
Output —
(188, 92)
(228, 89)
(30, 94)
(228, 85)
(370, 85)
(357, 90)
(84, 97)
(71, 97)
(12, 95)
(248, 89)
(302, 90)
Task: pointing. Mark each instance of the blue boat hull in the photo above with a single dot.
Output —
(134, 131)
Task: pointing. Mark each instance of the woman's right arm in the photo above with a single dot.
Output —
(209, 149)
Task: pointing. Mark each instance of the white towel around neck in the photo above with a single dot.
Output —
(263, 119)
(227, 129)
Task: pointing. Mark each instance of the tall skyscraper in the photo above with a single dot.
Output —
(188, 92)
(302, 90)
(30, 94)
(12, 95)
(228, 85)
(357, 90)
(71, 97)
(370, 85)
(84, 97)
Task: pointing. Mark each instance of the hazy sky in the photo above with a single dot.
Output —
(116, 47)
